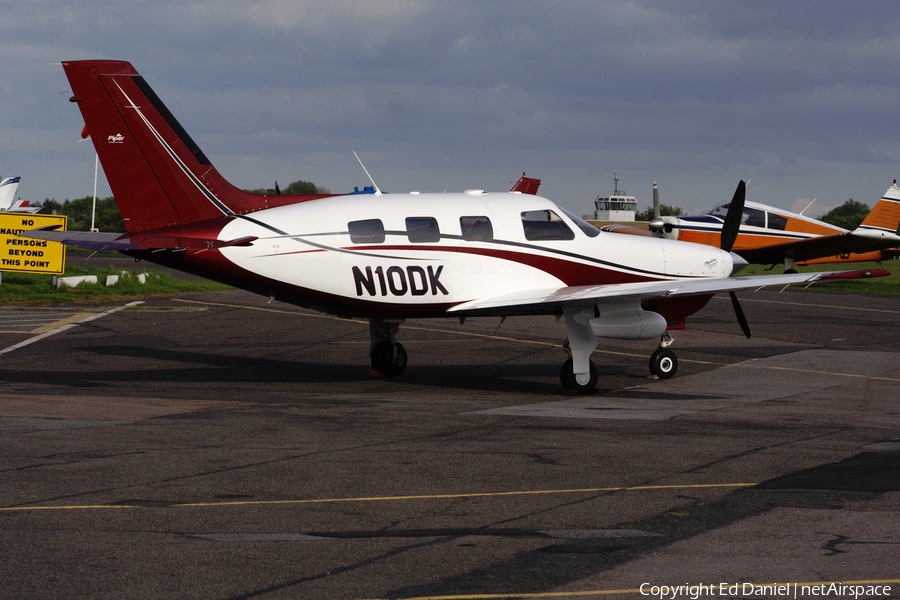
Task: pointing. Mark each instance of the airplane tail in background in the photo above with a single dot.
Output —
(157, 173)
(885, 217)
(8, 192)
(526, 185)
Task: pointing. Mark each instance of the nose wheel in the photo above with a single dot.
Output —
(389, 359)
(663, 363)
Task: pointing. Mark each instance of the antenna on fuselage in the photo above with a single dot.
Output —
(375, 185)
(807, 206)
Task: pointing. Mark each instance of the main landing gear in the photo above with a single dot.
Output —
(387, 354)
(579, 373)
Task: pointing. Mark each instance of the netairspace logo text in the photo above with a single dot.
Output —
(787, 590)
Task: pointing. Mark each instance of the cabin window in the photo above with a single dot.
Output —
(370, 231)
(422, 229)
(754, 218)
(476, 229)
(777, 222)
(544, 225)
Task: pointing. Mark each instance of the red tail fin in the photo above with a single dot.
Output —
(158, 174)
(526, 185)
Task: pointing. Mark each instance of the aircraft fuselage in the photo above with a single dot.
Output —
(421, 254)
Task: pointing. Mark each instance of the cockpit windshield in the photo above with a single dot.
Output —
(719, 210)
(752, 216)
(588, 229)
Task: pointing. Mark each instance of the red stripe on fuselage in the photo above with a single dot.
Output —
(569, 272)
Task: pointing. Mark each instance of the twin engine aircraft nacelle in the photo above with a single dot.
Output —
(632, 323)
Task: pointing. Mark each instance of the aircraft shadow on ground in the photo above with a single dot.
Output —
(146, 365)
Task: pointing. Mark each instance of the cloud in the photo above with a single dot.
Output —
(450, 94)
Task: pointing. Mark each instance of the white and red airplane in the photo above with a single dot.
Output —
(8, 202)
(388, 257)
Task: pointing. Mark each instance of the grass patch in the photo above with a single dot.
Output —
(879, 285)
(35, 288)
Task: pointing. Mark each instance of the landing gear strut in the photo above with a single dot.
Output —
(789, 265)
(579, 373)
(388, 355)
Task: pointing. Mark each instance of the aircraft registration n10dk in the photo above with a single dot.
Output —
(388, 257)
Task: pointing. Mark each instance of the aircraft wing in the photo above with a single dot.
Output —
(553, 299)
(124, 241)
(857, 241)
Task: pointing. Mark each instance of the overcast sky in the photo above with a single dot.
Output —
(801, 98)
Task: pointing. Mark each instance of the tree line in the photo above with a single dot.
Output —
(847, 216)
(108, 218)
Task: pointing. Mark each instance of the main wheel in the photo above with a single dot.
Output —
(568, 381)
(389, 359)
(663, 363)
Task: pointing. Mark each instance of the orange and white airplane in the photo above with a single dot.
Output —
(770, 235)
(388, 257)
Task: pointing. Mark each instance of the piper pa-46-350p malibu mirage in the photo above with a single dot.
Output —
(388, 257)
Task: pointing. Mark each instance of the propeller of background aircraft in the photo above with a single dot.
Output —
(659, 225)
(656, 214)
(730, 229)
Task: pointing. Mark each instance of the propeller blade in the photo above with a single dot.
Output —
(739, 313)
(733, 218)
(655, 201)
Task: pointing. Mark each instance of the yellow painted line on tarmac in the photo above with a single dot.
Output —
(264, 309)
(68, 324)
(678, 586)
(433, 329)
(556, 345)
(399, 498)
(405, 326)
(39, 323)
(814, 372)
(81, 507)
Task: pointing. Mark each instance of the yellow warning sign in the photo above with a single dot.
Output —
(25, 254)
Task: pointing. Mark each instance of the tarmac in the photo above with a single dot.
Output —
(218, 446)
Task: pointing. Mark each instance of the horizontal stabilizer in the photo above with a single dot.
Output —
(123, 241)
(89, 240)
(155, 242)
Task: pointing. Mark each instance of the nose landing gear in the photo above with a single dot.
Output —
(388, 355)
(663, 362)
